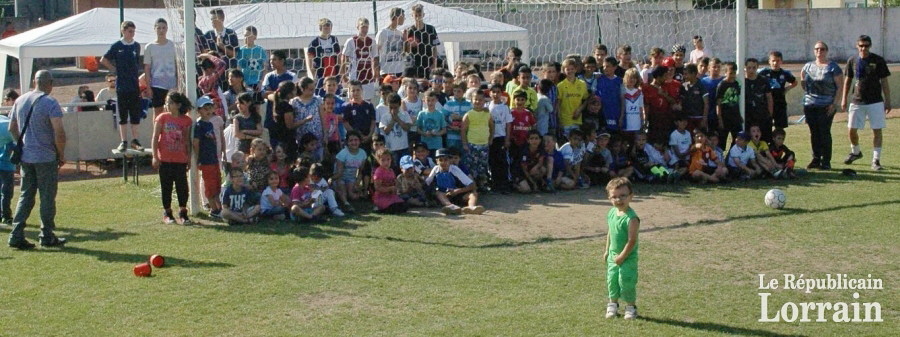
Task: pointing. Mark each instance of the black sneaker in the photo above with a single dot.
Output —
(21, 245)
(136, 145)
(825, 166)
(217, 213)
(814, 164)
(122, 147)
(53, 242)
(184, 217)
(876, 165)
(852, 157)
(6, 220)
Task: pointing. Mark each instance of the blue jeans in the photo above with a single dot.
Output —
(43, 178)
(7, 184)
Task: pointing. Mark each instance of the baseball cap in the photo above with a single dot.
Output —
(743, 135)
(390, 78)
(604, 134)
(443, 152)
(668, 62)
(406, 162)
(204, 100)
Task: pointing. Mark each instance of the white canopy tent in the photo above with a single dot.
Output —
(92, 32)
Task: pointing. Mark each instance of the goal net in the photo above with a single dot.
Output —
(478, 32)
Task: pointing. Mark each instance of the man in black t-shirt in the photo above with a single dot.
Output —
(758, 106)
(421, 44)
(867, 74)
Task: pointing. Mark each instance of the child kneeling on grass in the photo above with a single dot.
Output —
(621, 253)
(447, 178)
(239, 204)
(304, 205)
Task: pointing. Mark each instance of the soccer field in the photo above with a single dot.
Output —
(529, 266)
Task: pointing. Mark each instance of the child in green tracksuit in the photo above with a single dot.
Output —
(621, 254)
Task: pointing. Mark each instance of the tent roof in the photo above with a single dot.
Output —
(281, 25)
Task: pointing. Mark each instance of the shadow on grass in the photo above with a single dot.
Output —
(104, 256)
(715, 327)
(78, 234)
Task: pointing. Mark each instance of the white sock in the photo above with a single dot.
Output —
(854, 149)
(876, 153)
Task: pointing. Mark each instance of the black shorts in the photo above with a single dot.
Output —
(709, 170)
(159, 97)
(129, 107)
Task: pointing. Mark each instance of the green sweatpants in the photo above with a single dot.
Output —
(621, 280)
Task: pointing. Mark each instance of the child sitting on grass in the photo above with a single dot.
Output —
(273, 203)
(621, 253)
(596, 165)
(620, 166)
(784, 157)
(763, 157)
(573, 152)
(447, 178)
(238, 201)
(348, 164)
(385, 197)
(322, 191)
(701, 157)
(410, 184)
(742, 161)
(556, 166)
(532, 164)
(303, 204)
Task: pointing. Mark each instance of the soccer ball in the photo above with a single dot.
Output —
(775, 198)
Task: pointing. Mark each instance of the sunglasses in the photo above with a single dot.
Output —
(110, 81)
(864, 45)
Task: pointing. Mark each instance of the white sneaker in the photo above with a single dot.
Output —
(451, 210)
(337, 212)
(473, 210)
(612, 310)
(630, 312)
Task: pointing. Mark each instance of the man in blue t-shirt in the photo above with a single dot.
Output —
(43, 152)
(123, 58)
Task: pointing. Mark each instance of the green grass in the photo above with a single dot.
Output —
(412, 276)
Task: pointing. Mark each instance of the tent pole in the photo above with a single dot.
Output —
(375, 15)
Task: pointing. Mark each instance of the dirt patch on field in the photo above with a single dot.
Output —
(569, 215)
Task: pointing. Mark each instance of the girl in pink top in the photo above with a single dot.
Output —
(171, 144)
(385, 197)
(330, 122)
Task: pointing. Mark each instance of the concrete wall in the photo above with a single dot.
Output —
(562, 29)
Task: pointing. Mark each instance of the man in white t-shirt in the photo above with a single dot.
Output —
(699, 51)
(389, 58)
(159, 65)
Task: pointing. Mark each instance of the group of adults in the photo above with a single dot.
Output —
(827, 85)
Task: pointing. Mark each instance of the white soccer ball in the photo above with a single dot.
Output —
(775, 198)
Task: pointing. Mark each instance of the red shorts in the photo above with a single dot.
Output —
(212, 180)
